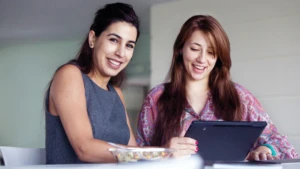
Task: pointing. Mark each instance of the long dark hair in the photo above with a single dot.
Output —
(111, 13)
(173, 100)
(104, 17)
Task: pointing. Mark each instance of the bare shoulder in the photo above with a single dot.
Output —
(66, 91)
(120, 93)
(68, 71)
(67, 77)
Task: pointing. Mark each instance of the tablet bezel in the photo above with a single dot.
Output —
(225, 140)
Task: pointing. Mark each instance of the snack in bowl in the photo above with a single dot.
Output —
(140, 154)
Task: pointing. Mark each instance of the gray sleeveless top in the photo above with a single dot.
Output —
(107, 117)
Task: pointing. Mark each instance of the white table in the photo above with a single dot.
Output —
(190, 163)
(187, 163)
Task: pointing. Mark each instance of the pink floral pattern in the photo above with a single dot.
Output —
(254, 112)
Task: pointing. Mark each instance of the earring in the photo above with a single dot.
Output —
(91, 45)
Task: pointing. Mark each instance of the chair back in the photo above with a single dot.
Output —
(17, 156)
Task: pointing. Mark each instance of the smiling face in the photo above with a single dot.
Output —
(198, 56)
(113, 49)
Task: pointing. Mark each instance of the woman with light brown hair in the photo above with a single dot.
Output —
(199, 87)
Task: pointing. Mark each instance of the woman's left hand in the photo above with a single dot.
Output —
(261, 153)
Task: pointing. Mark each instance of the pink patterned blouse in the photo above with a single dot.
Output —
(253, 109)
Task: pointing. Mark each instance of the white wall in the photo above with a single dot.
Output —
(264, 36)
(140, 62)
(25, 70)
(138, 71)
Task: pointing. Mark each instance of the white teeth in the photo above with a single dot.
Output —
(199, 67)
(114, 62)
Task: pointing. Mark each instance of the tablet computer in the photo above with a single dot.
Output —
(224, 140)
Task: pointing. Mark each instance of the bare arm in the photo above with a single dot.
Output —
(67, 95)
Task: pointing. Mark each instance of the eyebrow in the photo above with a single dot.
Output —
(119, 37)
(195, 43)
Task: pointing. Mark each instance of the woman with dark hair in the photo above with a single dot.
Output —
(199, 87)
(84, 105)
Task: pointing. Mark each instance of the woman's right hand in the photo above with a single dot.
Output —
(184, 146)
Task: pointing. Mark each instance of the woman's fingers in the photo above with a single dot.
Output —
(187, 147)
(183, 140)
(253, 156)
(257, 156)
(183, 145)
(179, 153)
(261, 153)
(262, 156)
(269, 157)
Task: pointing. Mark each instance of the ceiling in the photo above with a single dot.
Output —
(31, 20)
